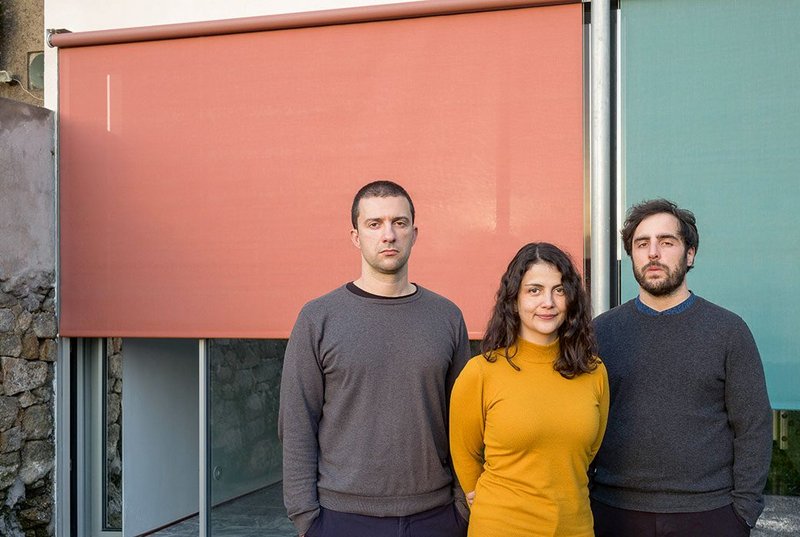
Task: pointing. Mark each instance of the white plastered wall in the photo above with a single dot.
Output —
(160, 412)
(89, 15)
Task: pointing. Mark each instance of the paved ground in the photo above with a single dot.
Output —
(781, 518)
(261, 514)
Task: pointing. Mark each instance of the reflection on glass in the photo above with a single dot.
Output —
(784, 472)
(245, 454)
(112, 434)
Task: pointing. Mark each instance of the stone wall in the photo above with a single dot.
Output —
(245, 377)
(114, 433)
(27, 450)
(28, 346)
(21, 33)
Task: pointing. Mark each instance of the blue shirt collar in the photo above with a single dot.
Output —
(683, 306)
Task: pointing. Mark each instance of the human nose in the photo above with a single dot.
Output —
(653, 252)
(548, 300)
(388, 234)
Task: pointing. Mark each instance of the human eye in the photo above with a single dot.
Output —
(534, 291)
(401, 223)
(372, 224)
(640, 244)
(560, 291)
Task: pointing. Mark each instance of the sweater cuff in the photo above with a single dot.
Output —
(303, 521)
(748, 516)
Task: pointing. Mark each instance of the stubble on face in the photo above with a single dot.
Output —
(383, 264)
(673, 280)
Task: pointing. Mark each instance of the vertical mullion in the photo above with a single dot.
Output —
(203, 438)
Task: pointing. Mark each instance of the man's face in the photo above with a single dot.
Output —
(385, 233)
(659, 256)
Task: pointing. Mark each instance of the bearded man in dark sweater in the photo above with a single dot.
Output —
(689, 438)
(364, 395)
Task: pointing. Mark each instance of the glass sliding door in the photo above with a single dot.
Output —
(96, 438)
(243, 452)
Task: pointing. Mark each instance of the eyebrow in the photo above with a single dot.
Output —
(382, 218)
(661, 236)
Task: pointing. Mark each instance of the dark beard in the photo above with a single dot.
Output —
(664, 287)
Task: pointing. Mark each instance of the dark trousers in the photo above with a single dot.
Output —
(613, 522)
(441, 521)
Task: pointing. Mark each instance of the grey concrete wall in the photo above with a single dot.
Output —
(27, 320)
(27, 202)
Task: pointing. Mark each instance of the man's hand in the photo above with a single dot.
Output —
(470, 498)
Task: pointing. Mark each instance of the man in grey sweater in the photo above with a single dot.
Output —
(688, 444)
(365, 388)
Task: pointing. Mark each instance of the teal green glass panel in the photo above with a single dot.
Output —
(243, 388)
(710, 116)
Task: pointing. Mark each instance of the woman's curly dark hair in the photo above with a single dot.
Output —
(576, 334)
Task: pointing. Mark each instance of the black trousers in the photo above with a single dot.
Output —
(614, 522)
(444, 521)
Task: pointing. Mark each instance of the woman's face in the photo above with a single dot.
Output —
(541, 304)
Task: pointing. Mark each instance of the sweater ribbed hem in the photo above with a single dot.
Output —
(661, 502)
(384, 505)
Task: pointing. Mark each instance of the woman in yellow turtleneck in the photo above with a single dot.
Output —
(528, 414)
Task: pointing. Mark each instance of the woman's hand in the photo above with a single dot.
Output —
(470, 498)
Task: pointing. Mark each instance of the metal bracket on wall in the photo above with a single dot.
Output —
(780, 428)
(52, 31)
(783, 430)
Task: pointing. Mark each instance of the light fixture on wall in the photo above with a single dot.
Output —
(36, 70)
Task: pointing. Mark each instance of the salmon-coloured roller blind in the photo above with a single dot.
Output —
(205, 183)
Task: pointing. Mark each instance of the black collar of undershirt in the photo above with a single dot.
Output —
(356, 290)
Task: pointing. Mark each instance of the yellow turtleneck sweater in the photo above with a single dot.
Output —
(523, 441)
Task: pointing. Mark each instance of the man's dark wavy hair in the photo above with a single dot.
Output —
(575, 333)
(379, 189)
(686, 222)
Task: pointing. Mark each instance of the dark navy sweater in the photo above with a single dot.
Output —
(690, 425)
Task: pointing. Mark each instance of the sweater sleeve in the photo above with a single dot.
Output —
(460, 356)
(604, 397)
(749, 414)
(467, 422)
(301, 399)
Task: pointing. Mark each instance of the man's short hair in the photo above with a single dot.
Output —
(379, 189)
(686, 221)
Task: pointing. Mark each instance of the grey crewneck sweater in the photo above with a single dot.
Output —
(363, 404)
(690, 426)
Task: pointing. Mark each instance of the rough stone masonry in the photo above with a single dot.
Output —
(27, 352)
